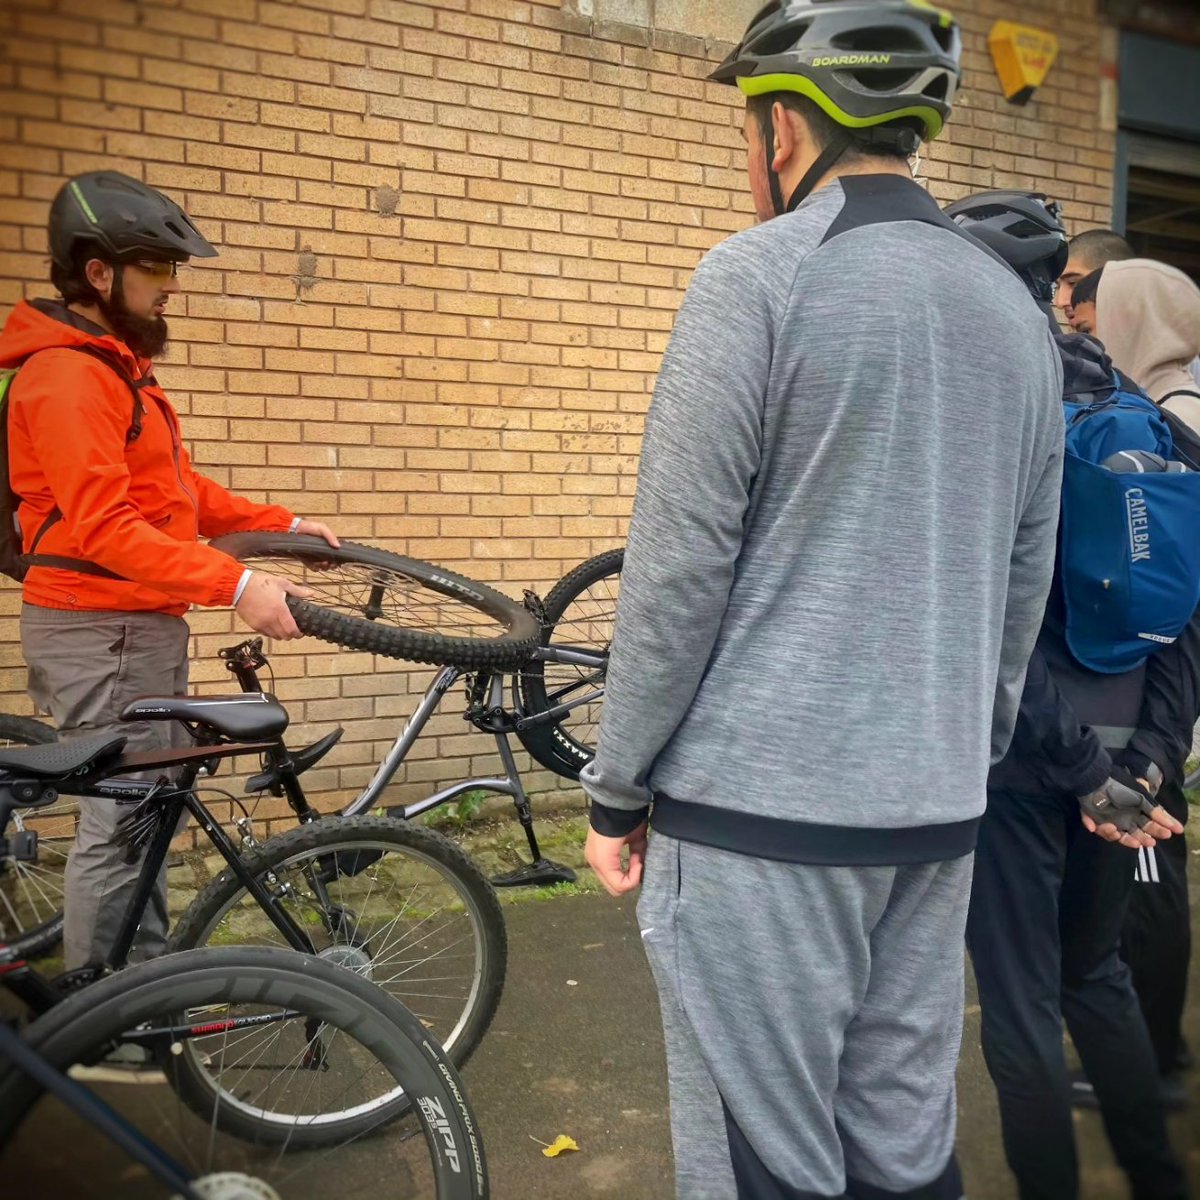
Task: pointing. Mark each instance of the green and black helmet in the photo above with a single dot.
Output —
(122, 218)
(866, 63)
(884, 70)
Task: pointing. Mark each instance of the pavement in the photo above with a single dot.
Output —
(576, 1049)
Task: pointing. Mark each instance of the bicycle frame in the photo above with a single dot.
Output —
(93, 1110)
(541, 870)
(244, 660)
(171, 805)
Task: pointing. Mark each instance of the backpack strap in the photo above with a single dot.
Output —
(134, 385)
(79, 565)
(1179, 392)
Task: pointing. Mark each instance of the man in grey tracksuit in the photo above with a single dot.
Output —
(838, 562)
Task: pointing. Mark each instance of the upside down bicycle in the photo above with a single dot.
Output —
(437, 935)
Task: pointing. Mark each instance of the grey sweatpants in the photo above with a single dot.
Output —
(812, 1019)
(84, 667)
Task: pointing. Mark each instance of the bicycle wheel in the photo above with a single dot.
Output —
(284, 1032)
(400, 905)
(371, 599)
(31, 893)
(581, 611)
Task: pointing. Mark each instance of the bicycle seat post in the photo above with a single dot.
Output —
(243, 662)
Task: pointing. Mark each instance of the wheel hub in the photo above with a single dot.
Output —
(232, 1185)
(353, 958)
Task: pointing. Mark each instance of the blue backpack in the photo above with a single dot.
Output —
(1129, 550)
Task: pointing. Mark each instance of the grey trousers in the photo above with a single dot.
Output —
(84, 667)
(812, 1019)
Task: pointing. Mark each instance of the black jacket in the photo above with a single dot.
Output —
(1073, 723)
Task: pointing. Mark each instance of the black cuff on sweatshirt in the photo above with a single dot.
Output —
(616, 822)
(1134, 761)
(1095, 777)
(1146, 748)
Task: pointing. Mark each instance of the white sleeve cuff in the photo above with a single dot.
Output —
(241, 587)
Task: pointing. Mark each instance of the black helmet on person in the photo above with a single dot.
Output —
(122, 219)
(884, 70)
(1023, 228)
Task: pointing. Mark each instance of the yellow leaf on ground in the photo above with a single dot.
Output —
(561, 1143)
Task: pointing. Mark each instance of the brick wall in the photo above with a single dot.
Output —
(453, 238)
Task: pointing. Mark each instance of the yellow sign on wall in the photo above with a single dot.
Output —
(1023, 56)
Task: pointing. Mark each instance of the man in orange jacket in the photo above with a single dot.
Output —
(111, 509)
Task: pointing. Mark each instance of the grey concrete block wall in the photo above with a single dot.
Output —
(719, 20)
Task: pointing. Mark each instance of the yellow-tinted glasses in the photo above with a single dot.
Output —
(155, 268)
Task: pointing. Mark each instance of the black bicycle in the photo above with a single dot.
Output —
(442, 950)
(302, 1061)
(538, 674)
(400, 905)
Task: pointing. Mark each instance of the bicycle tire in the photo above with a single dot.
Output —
(83, 1027)
(335, 835)
(502, 650)
(566, 746)
(44, 934)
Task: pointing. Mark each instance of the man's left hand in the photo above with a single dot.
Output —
(317, 529)
(603, 855)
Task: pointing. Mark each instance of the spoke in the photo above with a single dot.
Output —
(12, 912)
(31, 877)
(431, 957)
(381, 594)
(212, 1124)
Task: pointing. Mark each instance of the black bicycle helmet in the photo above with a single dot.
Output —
(1023, 228)
(885, 70)
(124, 218)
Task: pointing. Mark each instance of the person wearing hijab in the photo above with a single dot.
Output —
(1148, 317)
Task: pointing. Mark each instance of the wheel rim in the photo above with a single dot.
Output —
(382, 596)
(255, 1061)
(402, 913)
(587, 623)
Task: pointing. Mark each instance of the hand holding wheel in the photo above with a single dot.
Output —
(369, 599)
(264, 605)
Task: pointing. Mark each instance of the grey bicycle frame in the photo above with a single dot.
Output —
(445, 679)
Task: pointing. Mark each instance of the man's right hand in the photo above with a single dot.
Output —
(263, 605)
(1121, 811)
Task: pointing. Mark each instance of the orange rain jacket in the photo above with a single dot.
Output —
(135, 509)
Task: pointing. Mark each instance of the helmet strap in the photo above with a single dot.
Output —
(772, 175)
(823, 164)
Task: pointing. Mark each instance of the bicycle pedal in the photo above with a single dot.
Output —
(536, 874)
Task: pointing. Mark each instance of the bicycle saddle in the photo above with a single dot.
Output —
(244, 717)
(62, 758)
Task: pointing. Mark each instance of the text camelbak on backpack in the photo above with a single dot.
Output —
(1129, 555)
(13, 562)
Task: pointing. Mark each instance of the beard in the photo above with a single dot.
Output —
(145, 336)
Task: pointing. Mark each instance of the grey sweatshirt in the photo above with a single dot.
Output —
(842, 540)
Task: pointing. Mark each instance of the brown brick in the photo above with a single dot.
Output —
(59, 83)
(468, 378)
